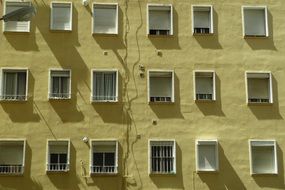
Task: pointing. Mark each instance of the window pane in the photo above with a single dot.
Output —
(21, 84)
(63, 158)
(64, 85)
(98, 159)
(55, 85)
(254, 22)
(61, 16)
(54, 158)
(10, 84)
(263, 160)
(109, 159)
(207, 157)
(110, 86)
(105, 19)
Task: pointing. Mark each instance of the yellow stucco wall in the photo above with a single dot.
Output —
(229, 119)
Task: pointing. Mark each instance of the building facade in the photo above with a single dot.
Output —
(118, 95)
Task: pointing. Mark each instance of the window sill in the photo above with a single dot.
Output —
(104, 101)
(15, 32)
(60, 30)
(207, 171)
(160, 35)
(11, 174)
(259, 103)
(205, 101)
(104, 174)
(161, 103)
(162, 174)
(202, 34)
(59, 99)
(13, 101)
(255, 36)
(105, 34)
(56, 171)
(264, 174)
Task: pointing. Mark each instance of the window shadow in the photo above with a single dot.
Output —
(171, 181)
(213, 108)
(225, 179)
(21, 112)
(22, 182)
(273, 181)
(66, 180)
(264, 43)
(268, 112)
(169, 110)
(210, 41)
(167, 42)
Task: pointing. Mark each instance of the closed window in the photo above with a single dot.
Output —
(259, 87)
(202, 18)
(207, 155)
(12, 157)
(255, 21)
(20, 24)
(60, 83)
(14, 84)
(160, 19)
(104, 157)
(61, 16)
(263, 157)
(105, 86)
(204, 82)
(58, 155)
(105, 18)
(162, 157)
(161, 86)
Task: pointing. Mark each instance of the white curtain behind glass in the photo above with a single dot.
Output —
(104, 85)
(61, 16)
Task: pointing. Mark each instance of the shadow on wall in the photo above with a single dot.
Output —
(273, 181)
(264, 43)
(213, 108)
(68, 180)
(167, 42)
(169, 110)
(21, 112)
(21, 182)
(225, 179)
(267, 112)
(171, 181)
(210, 41)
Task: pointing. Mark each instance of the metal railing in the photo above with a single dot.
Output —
(13, 97)
(59, 95)
(103, 169)
(160, 99)
(57, 167)
(204, 96)
(11, 169)
(104, 98)
(258, 100)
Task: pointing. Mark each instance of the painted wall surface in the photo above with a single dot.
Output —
(229, 119)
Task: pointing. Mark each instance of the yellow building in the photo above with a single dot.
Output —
(142, 95)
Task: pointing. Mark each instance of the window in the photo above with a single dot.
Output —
(162, 157)
(16, 26)
(255, 22)
(60, 84)
(104, 159)
(61, 16)
(263, 157)
(12, 156)
(204, 85)
(207, 155)
(161, 86)
(14, 84)
(160, 20)
(58, 155)
(259, 87)
(105, 18)
(105, 86)
(202, 19)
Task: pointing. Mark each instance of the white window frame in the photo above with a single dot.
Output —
(270, 86)
(149, 156)
(116, 155)
(4, 12)
(24, 155)
(260, 7)
(13, 69)
(117, 85)
(51, 15)
(49, 83)
(214, 84)
(211, 20)
(117, 18)
(48, 154)
(201, 142)
(263, 143)
(171, 17)
(148, 84)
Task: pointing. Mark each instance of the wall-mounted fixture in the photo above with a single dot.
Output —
(85, 139)
(85, 2)
(159, 52)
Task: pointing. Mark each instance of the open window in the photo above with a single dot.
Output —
(104, 157)
(14, 84)
(58, 155)
(255, 21)
(105, 86)
(259, 87)
(162, 157)
(105, 18)
(60, 84)
(16, 26)
(204, 85)
(207, 159)
(263, 157)
(202, 19)
(160, 86)
(61, 16)
(12, 157)
(160, 19)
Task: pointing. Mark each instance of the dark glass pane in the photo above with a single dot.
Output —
(109, 159)
(54, 158)
(97, 159)
(63, 158)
